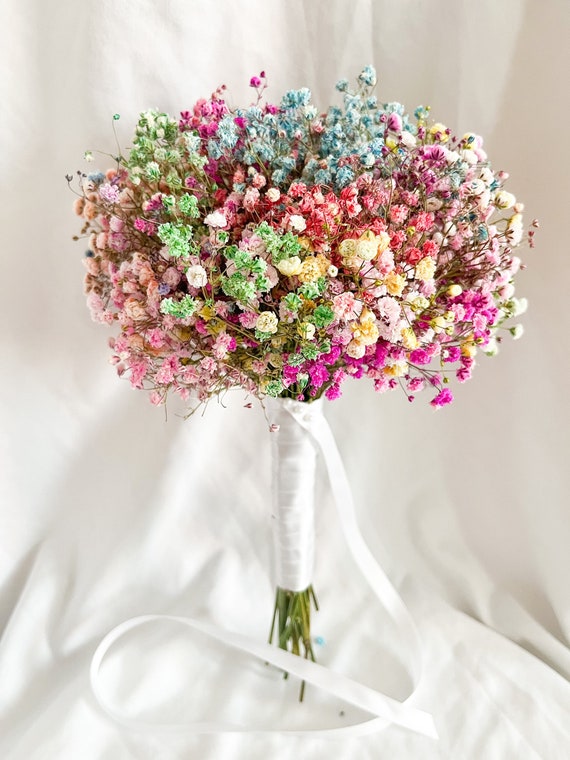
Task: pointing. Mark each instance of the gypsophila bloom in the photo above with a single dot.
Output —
(282, 250)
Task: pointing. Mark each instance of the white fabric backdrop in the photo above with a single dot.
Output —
(108, 512)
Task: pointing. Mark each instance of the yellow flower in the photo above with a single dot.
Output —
(369, 245)
(395, 283)
(468, 349)
(398, 369)
(409, 338)
(438, 131)
(383, 241)
(356, 349)
(306, 243)
(365, 331)
(311, 270)
(420, 303)
(425, 268)
(206, 312)
(323, 263)
(267, 322)
(347, 248)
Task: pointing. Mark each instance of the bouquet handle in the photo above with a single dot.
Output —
(385, 709)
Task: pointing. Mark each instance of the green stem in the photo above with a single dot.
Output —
(291, 624)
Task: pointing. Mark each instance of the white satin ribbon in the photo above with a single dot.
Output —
(294, 457)
(385, 709)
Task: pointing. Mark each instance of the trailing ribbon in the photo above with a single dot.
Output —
(385, 709)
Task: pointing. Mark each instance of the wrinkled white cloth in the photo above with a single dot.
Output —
(107, 511)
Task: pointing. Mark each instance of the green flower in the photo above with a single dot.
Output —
(310, 351)
(295, 360)
(323, 316)
(188, 204)
(239, 287)
(292, 302)
(279, 246)
(168, 201)
(274, 388)
(152, 171)
(176, 238)
(180, 309)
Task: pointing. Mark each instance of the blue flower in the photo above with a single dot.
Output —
(368, 76)
(214, 150)
(296, 98)
(96, 177)
(344, 176)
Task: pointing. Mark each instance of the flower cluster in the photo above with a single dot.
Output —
(282, 250)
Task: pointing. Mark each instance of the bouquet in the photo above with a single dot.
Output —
(282, 250)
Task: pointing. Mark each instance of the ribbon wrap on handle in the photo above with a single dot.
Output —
(385, 709)
(294, 459)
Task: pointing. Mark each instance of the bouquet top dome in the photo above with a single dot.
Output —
(282, 250)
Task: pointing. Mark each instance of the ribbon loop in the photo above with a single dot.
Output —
(309, 418)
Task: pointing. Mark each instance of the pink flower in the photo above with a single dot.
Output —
(208, 364)
(168, 368)
(248, 319)
(444, 397)
(346, 307)
(223, 344)
(333, 392)
(138, 371)
(109, 193)
(116, 224)
(398, 214)
(156, 398)
(251, 198)
(394, 122)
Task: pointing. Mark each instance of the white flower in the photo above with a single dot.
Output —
(297, 223)
(196, 276)
(332, 271)
(451, 156)
(517, 331)
(355, 349)
(267, 322)
(469, 156)
(484, 199)
(504, 199)
(307, 330)
(216, 219)
(433, 204)
(367, 249)
(486, 175)
(273, 194)
(515, 229)
(408, 139)
(520, 306)
(290, 267)
(492, 347)
(477, 186)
